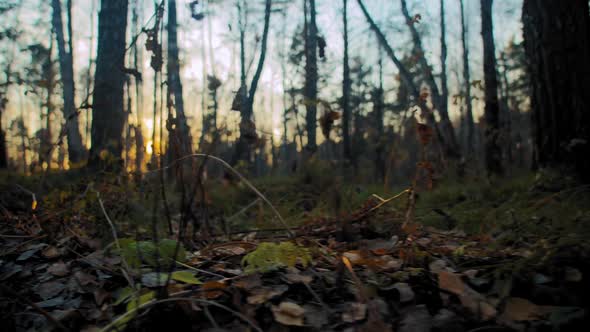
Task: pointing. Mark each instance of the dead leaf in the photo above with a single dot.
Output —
(51, 252)
(59, 269)
(289, 313)
(406, 294)
(263, 294)
(49, 289)
(213, 289)
(354, 312)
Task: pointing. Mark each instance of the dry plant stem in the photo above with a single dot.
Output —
(36, 307)
(242, 178)
(385, 201)
(116, 238)
(200, 270)
(173, 299)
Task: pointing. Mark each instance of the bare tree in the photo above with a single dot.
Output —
(180, 138)
(76, 150)
(108, 116)
(311, 75)
(467, 82)
(493, 150)
(438, 99)
(346, 84)
(245, 97)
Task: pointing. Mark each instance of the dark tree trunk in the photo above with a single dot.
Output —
(378, 109)
(137, 64)
(76, 150)
(444, 96)
(346, 83)
(3, 151)
(446, 127)
(108, 115)
(179, 143)
(311, 79)
(247, 127)
(557, 45)
(467, 81)
(493, 150)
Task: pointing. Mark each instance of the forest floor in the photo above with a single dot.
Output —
(508, 256)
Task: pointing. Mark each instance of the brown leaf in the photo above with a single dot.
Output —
(213, 289)
(51, 252)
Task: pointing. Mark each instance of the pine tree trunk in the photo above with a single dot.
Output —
(493, 150)
(76, 150)
(108, 115)
(557, 45)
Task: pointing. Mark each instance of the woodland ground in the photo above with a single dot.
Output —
(505, 255)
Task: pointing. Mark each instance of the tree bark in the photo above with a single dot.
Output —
(311, 79)
(493, 150)
(108, 116)
(557, 45)
(76, 150)
(467, 81)
(346, 84)
(180, 138)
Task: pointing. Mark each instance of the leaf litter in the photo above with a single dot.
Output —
(414, 278)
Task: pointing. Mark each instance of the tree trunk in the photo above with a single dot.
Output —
(137, 64)
(76, 150)
(346, 89)
(247, 128)
(444, 97)
(467, 82)
(404, 73)
(180, 138)
(557, 45)
(447, 130)
(108, 115)
(311, 79)
(493, 150)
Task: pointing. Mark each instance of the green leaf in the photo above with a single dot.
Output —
(143, 299)
(186, 276)
(271, 256)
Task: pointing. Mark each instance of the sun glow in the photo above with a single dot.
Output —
(150, 147)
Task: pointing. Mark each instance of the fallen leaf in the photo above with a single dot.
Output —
(406, 294)
(263, 294)
(354, 312)
(59, 269)
(213, 289)
(289, 313)
(50, 252)
(187, 277)
(49, 289)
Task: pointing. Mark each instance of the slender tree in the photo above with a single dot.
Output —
(180, 138)
(493, 150)
(467, 83)
(404, 73)
(108, 117)
(76, 150)
(444, 88)
(438, 100)
(311, 76)
(556, 35)
(245, 97)
(346, 83)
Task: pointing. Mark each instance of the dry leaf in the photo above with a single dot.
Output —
(288, 313)
(354, 312)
